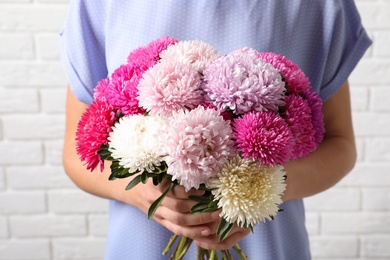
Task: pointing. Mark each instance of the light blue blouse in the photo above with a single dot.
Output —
(325, 38)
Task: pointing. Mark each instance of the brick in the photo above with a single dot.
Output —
(377, 149)
(32, 17)
(381, 43)
(2, 178)
(334, 246)
(373, 15)
(312, 223)
(18, 100)
(53, 100)
(48, 46)
(370, 72)
(368, 174)
(98, 225)
(355, 223)
(32, 73)
(21, 153)
(78, 248)
(22, 202)
(39, 127)
(16, 46)
(29, 249)
(359, 98)
(53, 151)
(3, 228)
(371, 124)
(376, 246)
(360, 149)
(379, 99)
(376, 199)
(335, 199)
(76, 201)
(39, 177)
(47, 226)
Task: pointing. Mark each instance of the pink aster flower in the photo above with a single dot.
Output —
(298, 116)
(197, 54)
(297, 82)
(122, 91)
(92, 132)
(197, 144)
(317, 116)
(148, 55)
(263, 136)
(242, 82)
(100, 90)
(227, 115)
(168, 87)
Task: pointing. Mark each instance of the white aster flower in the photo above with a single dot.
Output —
(248, 193)
(133, 141)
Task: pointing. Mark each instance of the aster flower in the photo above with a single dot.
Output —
(148, 55)
(92, 132)
(242, 82)
(100, 89)
(134, 142)
(297, 114)
(197, 143)
(122, 90)
(197, 54)
(168, 87)
(297, 82)
(263, 136)
(317, 116)
(248, 194)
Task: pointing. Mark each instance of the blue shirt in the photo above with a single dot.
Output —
(325, 38)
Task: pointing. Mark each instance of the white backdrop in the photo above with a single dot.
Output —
(44, 216)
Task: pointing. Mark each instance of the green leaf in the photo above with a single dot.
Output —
(144, 177)
(224, 229)
(157, 202)
(201, 199)
(134, 182)
(199, 207)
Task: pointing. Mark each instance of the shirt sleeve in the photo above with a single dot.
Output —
(347, 43)
(83, 47)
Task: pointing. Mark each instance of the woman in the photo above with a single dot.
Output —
(325, 38)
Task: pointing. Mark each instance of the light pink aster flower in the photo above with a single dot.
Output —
(242, 82)
(168, 87)
(197, 54)
(263, 136)
(297, 82)
(122, 91)
(197, 144)
(92, 132)
(297, 114)
(148, 55)
(317, 116)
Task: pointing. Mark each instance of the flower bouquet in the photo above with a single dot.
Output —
(227, 124)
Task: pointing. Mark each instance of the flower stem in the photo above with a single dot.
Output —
(185, 249)
(170, 243)
(240, 253)
(182, 243)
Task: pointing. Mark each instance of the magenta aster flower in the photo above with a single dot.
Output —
(122, 91)
(197, 54)
(242, 82)
(100, 90)
(92, 132)
(297, 82)
(298, 117)
(168, 87)
(317, 116)
(148, 55)
(263, 136)
(197, 144)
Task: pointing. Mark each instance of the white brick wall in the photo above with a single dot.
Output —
(44, 216)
